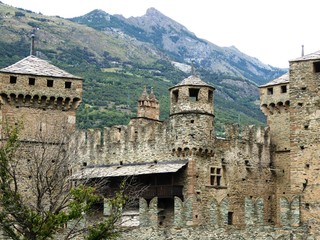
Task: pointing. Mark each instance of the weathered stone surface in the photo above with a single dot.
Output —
(256, 183)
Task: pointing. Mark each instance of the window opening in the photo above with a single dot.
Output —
(210, 96)
(67, 84)
(316, 67)
(32, 81)
(270, 91)
(13, 79)
(283, 89)
(215, 176)
(49, 83)
(175, 96)
(193, 94)
(230, 218)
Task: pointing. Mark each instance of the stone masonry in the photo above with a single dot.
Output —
(255, 183)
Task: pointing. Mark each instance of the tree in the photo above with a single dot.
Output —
(37, 198)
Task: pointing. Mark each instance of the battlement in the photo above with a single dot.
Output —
(251, 133)
(40, 92)
(126, 143)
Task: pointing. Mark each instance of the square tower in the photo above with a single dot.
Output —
(39, 96)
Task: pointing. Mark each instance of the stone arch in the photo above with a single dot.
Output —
(27, 99)
(20, 99)
(213, 212)
(59, 101)
(35, 99)
(249, 211)
(43, 99)
(259, 210)
(223, 211)
(295, 211)
(186, 151)
(12, 97)
(4, 98)
(284, 211)
(280, 104)
(173, 152)
(75, 103)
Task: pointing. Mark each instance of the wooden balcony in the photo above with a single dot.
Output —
(162, 191)
(148, 192)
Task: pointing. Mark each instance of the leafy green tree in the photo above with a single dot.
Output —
(37, 200)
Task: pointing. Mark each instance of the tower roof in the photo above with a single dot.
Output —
(311, 56)
(32, 65)
(144, 95)
(192, 81)
(280, 80)
(152, 96)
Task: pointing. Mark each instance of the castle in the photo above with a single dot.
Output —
(256, 183)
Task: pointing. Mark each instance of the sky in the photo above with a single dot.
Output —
(272, 31)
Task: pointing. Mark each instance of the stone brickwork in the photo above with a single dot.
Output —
(256, 183)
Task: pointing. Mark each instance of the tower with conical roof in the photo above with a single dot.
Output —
(191, 115)
(38, 95)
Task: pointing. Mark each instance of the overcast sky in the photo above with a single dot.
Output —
(270, 30)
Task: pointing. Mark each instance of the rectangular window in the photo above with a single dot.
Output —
(67, 84)
(215, 176)
(49, 83)
(270, 91)
(283, 89)
(316, 67)
(230, 218)
(193, 94)
(13, 79)
(175, 96)
(210, 96)
(32, 81)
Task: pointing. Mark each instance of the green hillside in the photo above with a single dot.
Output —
(115, 68)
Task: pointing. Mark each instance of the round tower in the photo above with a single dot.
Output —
(191, 116)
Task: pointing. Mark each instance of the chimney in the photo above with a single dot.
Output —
(32, 51)
(302, 51)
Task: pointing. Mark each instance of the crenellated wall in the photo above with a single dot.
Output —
(217, 226)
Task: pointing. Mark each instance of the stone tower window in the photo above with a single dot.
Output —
(230, 218)
(175, 96)
(316, 67)
(13, 79)
(32, 81)
(49, 83)
(210, 96)
(67, 84)
(193, 94)
(283, 89)
(270, 91)
(215, 176)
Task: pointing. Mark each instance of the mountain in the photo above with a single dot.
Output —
(117, 56)
(183, 46)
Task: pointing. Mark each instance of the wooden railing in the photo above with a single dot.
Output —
(162, 191)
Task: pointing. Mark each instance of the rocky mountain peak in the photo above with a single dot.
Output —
(154, 12)
(154, 19)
